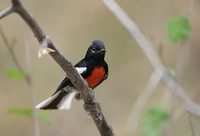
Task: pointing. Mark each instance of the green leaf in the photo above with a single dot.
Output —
(154, 121)
(42, 115)
(14, 74)
(20, 111)
(178, 29)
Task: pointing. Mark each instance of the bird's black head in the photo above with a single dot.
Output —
(96, 51)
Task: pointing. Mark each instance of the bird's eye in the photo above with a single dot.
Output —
(93, 50)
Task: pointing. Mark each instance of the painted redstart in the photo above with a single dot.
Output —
(92, 68)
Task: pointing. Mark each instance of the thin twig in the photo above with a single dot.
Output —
(191, 124)
(28, 80)
(190, 9)
(6, 12)
(182, 60)
(78, 82)
(152, 56)
(141, 101)
(180, 112)
(11, 51)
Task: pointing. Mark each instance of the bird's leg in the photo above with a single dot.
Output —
(91, 92)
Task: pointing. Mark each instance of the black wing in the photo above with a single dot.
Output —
(81, 63)
(65, 82)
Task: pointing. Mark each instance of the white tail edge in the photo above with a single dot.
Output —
(63, 104)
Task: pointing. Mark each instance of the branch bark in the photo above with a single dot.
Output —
(91, 104)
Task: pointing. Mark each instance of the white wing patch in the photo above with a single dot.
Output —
(81, 69)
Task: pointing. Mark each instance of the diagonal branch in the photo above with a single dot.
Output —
(12, 54)
(6, 12)
(78, 82)
(152, 56)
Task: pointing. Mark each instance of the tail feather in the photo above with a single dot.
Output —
(66, 102)
(61, 100)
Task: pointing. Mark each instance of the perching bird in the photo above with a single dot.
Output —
(92, 68)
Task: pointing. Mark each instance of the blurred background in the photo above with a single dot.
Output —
(73, 25)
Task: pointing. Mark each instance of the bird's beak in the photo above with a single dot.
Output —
(102, 50)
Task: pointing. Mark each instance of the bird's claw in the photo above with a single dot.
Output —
(91, 93)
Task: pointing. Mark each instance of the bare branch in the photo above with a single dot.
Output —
(78, 82)
(11, 51)
(191, 124)
(152, 56)
(141, 101)
(6, 12)
(190, 9)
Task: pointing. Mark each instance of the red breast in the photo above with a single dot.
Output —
(96, 77)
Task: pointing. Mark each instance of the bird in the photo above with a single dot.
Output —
(94, 70)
